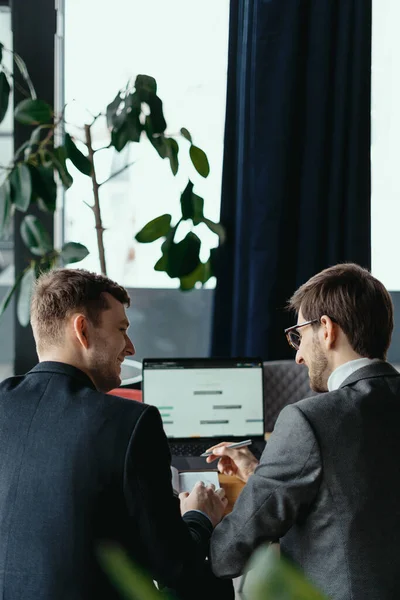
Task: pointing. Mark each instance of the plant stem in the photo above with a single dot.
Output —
(117, 172)
(96, 205)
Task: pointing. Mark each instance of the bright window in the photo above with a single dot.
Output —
(385, 154)
(184, 45)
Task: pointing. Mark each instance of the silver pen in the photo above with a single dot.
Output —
(235, 445)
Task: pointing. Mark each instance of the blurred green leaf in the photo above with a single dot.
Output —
(183, 257)
(24, 297)
(21, 186)
(111, 111)
(33, 112)
(81, 162)
(59, 157)
(34, 236)
(162, 263)
(271, 577)
(159, 142)
(1, 51)
(4, 95)
(156, 116)
(120, 137)
(5, 208)
(73, 252)
(191, 205)
(186, 134)
(24, 72)
(172, 153)
(189, 282)
(154, 229)
(36, 135)
(130, 580)
(133, 126)
(199, 160)
(145, 84)
(215, 228)
(44, 187)
(8, 297)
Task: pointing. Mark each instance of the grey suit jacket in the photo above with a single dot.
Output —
(328, 485)
(78, 467)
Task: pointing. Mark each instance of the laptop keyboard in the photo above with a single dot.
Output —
(183, 449)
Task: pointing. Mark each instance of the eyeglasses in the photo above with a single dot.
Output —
(293, 336)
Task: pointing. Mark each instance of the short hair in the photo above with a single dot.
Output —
(355, 300)
(60, 292)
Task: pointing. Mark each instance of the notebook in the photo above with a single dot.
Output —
(203, 401)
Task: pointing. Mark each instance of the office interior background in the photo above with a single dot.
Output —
(295, 104)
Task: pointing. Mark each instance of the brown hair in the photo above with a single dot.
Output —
(355, 300)
(59, 292)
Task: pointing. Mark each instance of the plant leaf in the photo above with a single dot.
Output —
(183, 258)
(271, 576)
(186, 134)
(4, 95)
(21, 186)
(7, 298)
(81, 162)
(199, 160)
(44, 186)
(5, 208)
(24, 297)
(189, 281)
(120, 137)
(162, 263)
(24, 72)
(192, 205)
(59, 157)
(215, 228)
(35, 236)
(145, 84)
(172, 153)
(131, 581)
(158, 227)
(111, 110)
(133, 126)
(33, 112)
(156, 116)
(73, 252)
(1, 51)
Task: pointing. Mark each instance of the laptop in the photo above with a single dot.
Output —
(203, 401)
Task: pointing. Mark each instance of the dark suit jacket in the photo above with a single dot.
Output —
(76, 467)
(328, 485)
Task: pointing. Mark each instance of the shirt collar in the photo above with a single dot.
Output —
(338, 376)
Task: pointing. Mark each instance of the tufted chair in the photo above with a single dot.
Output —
(285, 382)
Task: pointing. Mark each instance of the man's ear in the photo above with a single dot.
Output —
(328, 331)
(80, 325)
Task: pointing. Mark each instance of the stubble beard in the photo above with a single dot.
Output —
(104, 376)
(318, 368)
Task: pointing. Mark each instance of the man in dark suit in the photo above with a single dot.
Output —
(328, 482)
(78, 466)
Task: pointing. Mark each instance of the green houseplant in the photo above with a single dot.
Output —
(136, 113)
(270, 577)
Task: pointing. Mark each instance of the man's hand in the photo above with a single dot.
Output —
(207, 499)
(233, 461)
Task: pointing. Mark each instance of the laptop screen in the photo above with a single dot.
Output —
(206, 397)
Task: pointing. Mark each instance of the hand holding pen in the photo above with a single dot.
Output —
(234, 459)
(235, 445)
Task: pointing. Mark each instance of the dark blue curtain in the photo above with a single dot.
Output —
(296, 176)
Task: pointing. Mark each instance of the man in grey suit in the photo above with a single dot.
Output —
(328, 483)
(75, 463)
